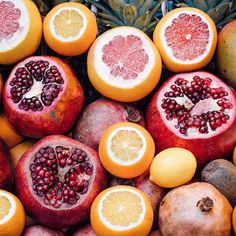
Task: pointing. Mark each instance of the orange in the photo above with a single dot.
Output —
(70, 28)
(1, 86)
(124, 64)
(126, 150)
(8, 133)
(18, 150)
(234, 156)
(186, 38)
(234, 220)
(173, 167)
(20, 30)
(12, 215)
(121, 210)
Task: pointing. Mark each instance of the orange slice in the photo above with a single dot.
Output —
(12, 215)
(124, 64)
(126, 150)
(20, 30)
(186, 39)
(70, 28)
(121, 210)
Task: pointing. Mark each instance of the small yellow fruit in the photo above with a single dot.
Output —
(173, 167)
(234, 218)
(234, 156)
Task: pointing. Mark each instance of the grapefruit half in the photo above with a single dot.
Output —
(124, 64)
(186, 39)
(20, 30)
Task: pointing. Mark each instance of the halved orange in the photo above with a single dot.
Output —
(12, 215)
(126, 150)
(7, 133)
(20, 30)
(186, 38)
(70, 28)
(121, 210)
(124, 64)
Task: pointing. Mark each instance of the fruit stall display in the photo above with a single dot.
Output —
(117, 117)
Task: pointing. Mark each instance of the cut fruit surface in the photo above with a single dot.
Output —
(70, 29)
(123, 64)
(121, 210)
(126, 150)
(186, 39)
(12, 215)
(20, 30)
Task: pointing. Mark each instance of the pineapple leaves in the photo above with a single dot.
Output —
(117, 7)
(145, 7)
(110, 18)
(202, 5)
(129, 14)
(137, 3)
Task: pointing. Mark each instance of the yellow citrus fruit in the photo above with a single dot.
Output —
(8, 133)
(70, 29)
(234, 220)
(234, 156)
(186, 39)
(173, 167)
(12, 215)
(18, 150)
(126, 150)
(20, 30)
(121, 210)
(124, 64)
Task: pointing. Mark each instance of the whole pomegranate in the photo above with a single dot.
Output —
(38, 230)
(100, 115)
(6, 170)
(57, 180)
(197, 209)
(42, 97)
(85, 230)
(195, 111)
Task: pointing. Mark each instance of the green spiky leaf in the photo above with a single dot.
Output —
(129, 14)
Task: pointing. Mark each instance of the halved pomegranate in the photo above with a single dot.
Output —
(42, 97)
(196, 111)
(57, 180)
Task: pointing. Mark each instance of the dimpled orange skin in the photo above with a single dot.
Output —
(173, 65)
(142, 229)
(126, 171)
(32, 40)
(121, 94)
(78, 46)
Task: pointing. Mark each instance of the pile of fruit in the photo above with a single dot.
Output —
(117, 118)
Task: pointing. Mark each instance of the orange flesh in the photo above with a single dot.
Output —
(5, 207)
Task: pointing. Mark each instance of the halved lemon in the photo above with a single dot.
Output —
(186, 39)
(20, 30)
(121, 210)
(12, 215)
(126, 150)
(70, 28)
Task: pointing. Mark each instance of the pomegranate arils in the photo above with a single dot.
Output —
(66, 187)
(27, 85)
(184, 96)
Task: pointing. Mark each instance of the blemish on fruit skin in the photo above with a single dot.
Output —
(54, 115)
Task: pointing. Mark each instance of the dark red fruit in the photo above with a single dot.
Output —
(85, 230)
(196, 111)
(42, 97)
(101, 114)
(6, 171)
(57, 180)
(38, 230)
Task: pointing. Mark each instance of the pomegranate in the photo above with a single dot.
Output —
(197, 209)
(38, 230)
(42, 97)
(6, 170)
(101, 114)
(85, 230)
(196, 111)
(57, 180)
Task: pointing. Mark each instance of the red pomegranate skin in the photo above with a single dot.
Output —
(197, 209)
(204, 149)
(100, 115)
(67, 214)
(85, 230)
(6, 168)
(59, 117)
(38, 230)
